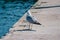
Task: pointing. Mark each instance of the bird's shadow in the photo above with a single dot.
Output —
(26, 30)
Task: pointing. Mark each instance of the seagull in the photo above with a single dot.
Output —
(31, 19)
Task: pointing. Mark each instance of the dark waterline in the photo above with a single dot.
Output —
(47, 7)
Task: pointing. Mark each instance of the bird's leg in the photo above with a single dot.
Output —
(30, 27)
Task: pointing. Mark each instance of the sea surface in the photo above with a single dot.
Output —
(11, 11)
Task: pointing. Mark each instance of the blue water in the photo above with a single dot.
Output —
(11, 12)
